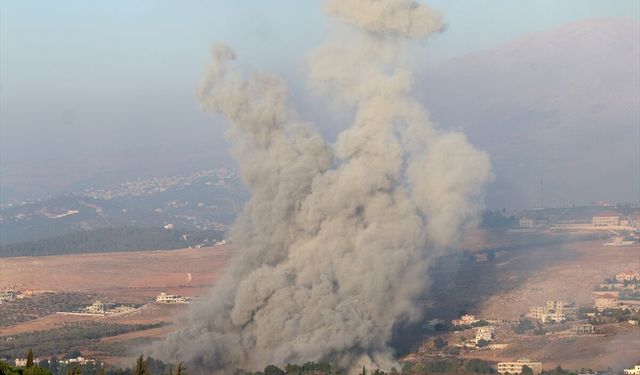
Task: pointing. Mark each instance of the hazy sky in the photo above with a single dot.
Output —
(98, 81)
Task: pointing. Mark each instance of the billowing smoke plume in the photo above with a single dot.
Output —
(333, 245)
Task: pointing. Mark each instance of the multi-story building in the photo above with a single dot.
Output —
(484, 333)
(516, 367)
(465, 320)
(605, 301)
(527, 222)
(556, 317)
(552, 311)
(536, 312)
(632, 371)
(606, 220)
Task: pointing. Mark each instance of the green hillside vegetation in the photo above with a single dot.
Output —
(112, 239)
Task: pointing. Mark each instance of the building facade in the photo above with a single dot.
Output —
(632, 371)
(484, 333)
(584, 329)
(516, 367)
(606, 221)
(605, 301)
(170, 298)
(7, 295)
(465, 320)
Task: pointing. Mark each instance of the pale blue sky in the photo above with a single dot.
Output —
(85, 79)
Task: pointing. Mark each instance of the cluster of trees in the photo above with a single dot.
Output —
(445, 365)
(72, 336)
(148, 366)
(111, 239)
(447, 326)
(614, 316)
(324, 368)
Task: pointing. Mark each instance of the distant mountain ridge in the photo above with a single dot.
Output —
(561, 106)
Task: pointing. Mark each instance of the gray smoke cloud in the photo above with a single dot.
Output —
(333, 246)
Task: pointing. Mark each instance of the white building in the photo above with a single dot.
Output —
(7, 295)
(622, 276)
(553, 317)
(584, 329)
(527, 222)
(79, 361)
(22, 362)
(465, 320)
(99, 307)
(484, 333)
(516, 367)
(552, 311)
(170, 298)
(632, 371)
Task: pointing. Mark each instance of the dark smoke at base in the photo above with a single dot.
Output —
(334, 244)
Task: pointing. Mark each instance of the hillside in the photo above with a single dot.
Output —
(560, 106)
(202, 201)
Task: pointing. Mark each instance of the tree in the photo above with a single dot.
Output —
(142, 367)
(181, 370)
(29, 359)
(526, 370)
(482, 343)
(291, 369)
(364, 371)
(439, 343)
(272, 370)
(477, 366)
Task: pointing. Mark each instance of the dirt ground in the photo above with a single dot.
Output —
(521, 275)
(124, 277)
(567, 272)
(131, 277)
